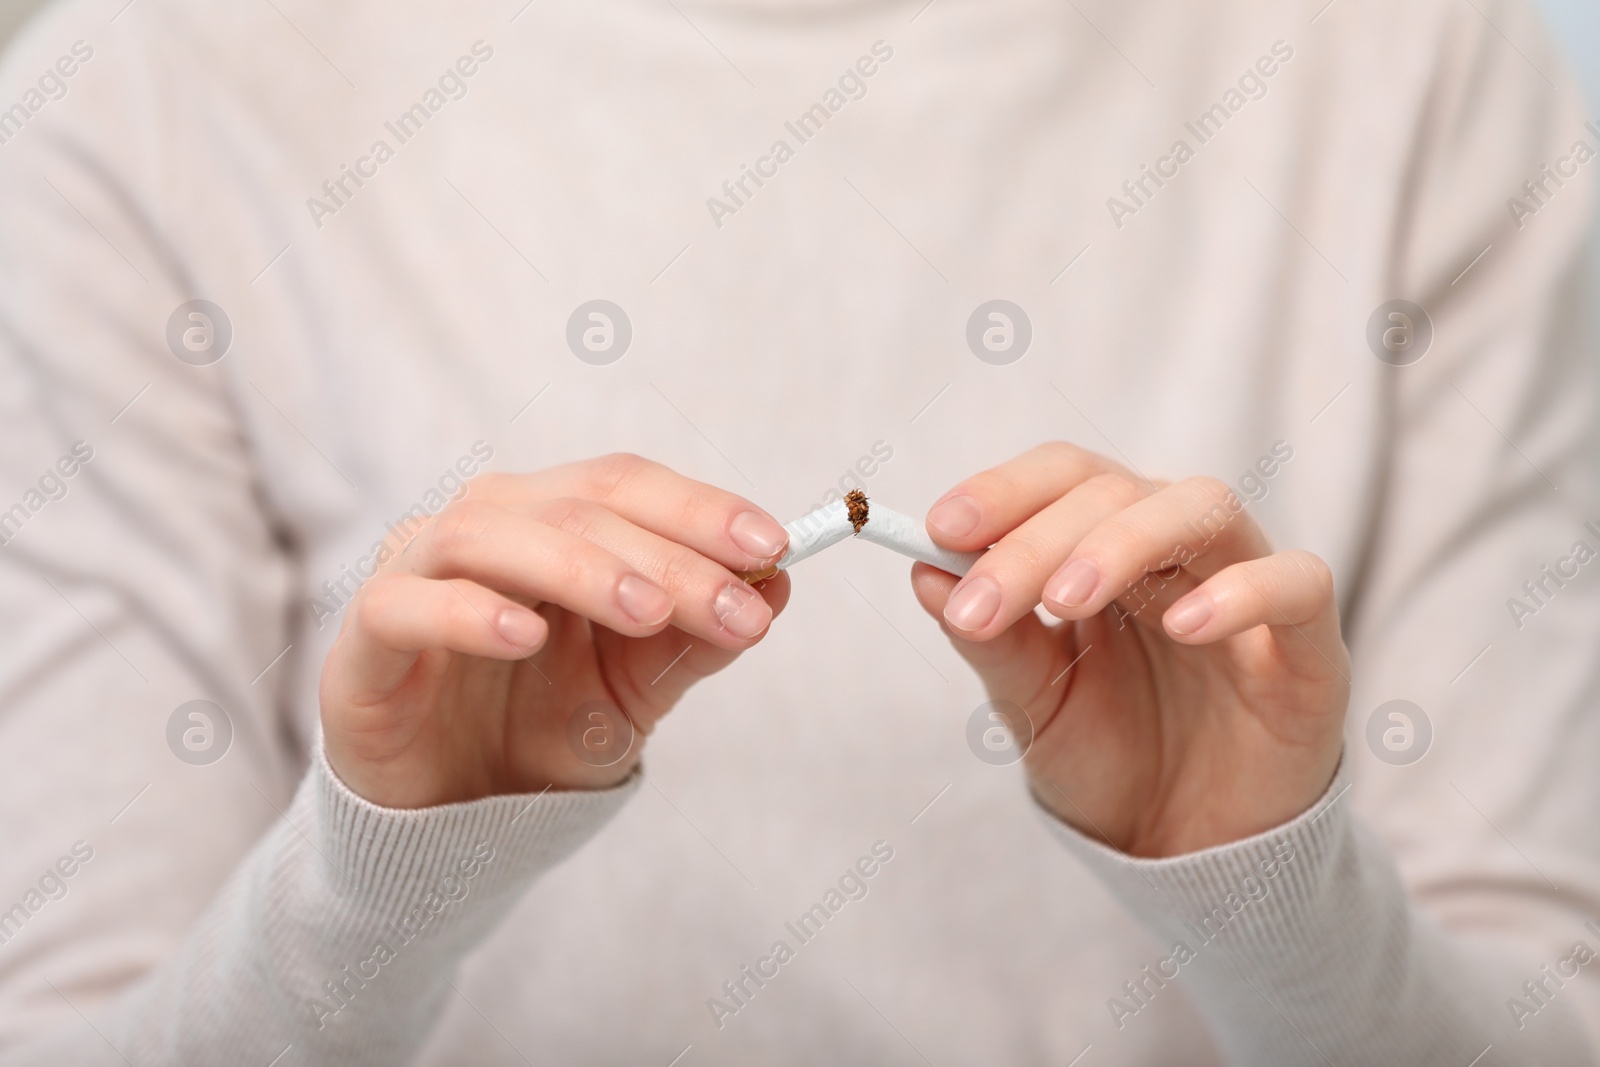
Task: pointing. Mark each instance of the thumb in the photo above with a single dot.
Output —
(1017, 663)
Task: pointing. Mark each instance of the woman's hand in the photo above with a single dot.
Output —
(1206, 693)
(532, 633)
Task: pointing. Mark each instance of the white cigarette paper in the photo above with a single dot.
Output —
(830, 524)
(907, 537)
(810, 534)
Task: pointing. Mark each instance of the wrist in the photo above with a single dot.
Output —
(1182, 818)
(405, 781)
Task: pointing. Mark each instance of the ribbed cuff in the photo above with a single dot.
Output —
(385, 855)
(1285, 940)
(1265, 878)
(385, 903)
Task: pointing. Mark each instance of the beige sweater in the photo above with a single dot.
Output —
(1198, 206)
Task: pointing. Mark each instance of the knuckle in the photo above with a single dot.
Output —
(1026, 555)
(699, 503)
(568, 514)
(678, 571)
(1061, 452)
(1115, 541)
(1082, 463)
(1216, 509)
(459, 527)
(1209, 489)
(581, 566)
(610, 474)
(462, 616)
(377, 600)
(1314, 570)
(1118, 488)
(491, 486)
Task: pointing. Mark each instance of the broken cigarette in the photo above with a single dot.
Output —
(851, 517)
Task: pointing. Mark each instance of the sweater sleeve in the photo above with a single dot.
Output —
(1300, 946)
(1449, 902)
(338, 935)
(176, 887)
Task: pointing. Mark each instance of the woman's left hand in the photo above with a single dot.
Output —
(1194, 693)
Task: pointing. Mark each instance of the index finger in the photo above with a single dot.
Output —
(987, 506)
(720, 525)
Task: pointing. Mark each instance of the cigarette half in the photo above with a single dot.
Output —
(852, 516)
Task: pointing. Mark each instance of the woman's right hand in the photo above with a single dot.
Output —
(513, 641)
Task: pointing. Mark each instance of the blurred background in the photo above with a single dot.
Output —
(13, 13)
(1576, 23)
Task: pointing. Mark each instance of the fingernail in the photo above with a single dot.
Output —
(1073, 584)
(974, 604)
(741, 610)
(522, 629)
(955, 517)
(758, 535)
(1188, 615)
(645, 603)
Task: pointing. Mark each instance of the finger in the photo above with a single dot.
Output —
(1016, 664)
(397, 616)
(709, 600)
(1290, 592)
(1007, 581)
(660, 669)
(714, 522)
(517, 554)
(987, 506)
(1197, 525)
